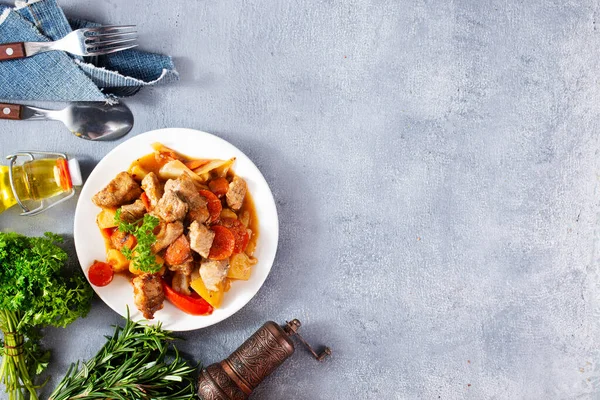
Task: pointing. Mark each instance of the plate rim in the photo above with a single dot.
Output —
(140, 137)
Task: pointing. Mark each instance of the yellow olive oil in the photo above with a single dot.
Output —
(7, 199)
(34, 180)
(43, 178)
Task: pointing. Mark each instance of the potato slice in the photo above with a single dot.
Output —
(161, 148)
(106, 218)
(221, 168)
(228, 213)
(174, 169)
(245, 218)
(118, 261)
(159, 260)
(137, 172)
(240, 266)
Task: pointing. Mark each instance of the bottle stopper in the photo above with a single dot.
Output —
(239, 374)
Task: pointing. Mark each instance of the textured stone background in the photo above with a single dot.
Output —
(435, 166)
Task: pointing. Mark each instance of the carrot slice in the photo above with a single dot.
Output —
(178, 252)
(101, 273)
(223, 243)
(164, 157)
(213, 204)
(108, 232)
(240, 233)
(219, 186)
(146, 201)
(121, 239)
(196, 163)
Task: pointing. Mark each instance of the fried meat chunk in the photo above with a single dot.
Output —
(133, 212)
(201, 238)
(153, 188)
(185, 268)
(148, 294)
(213, 272)
(168, 234)
(186, 189)
(121, 190)
(236, 193)
(170, 208)
(181, 283)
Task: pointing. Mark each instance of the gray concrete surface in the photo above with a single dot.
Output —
(435, 166)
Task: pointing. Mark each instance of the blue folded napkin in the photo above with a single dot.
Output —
(58, 76)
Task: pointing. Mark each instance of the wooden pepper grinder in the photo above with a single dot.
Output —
(239, 374)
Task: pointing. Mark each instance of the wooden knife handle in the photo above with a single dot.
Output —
(12, 51)
(10, 111)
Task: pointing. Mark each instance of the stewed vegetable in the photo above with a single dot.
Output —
(177, 230)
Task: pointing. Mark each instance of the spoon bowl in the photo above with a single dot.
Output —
(98, 121)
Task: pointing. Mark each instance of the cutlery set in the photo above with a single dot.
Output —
(87, 120)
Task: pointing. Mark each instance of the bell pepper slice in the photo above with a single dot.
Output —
(194, 305)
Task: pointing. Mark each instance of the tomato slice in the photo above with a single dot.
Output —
(219, 186)
(213, 204)
(240, 233)
(223, 243)
(101, 273)
(194, 305)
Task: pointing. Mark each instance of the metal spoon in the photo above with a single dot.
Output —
(87, 120)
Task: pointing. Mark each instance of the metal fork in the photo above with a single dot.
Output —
(85, 42)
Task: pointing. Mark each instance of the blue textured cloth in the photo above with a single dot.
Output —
(58, 76)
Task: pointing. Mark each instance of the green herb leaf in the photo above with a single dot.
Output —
(141, 256)
(34, 292)
(32, 284)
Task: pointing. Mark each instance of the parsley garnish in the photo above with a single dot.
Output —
(143, 230)
(35, 291)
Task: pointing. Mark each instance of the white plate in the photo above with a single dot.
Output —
(89, 243)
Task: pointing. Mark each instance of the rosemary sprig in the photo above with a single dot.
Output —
(133, 364)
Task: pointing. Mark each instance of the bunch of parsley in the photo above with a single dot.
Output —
(33, 293)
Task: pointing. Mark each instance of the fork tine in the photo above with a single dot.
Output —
(109, 35)
(98, 40)
(110, 50)
(110, 43)
(108, 28)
